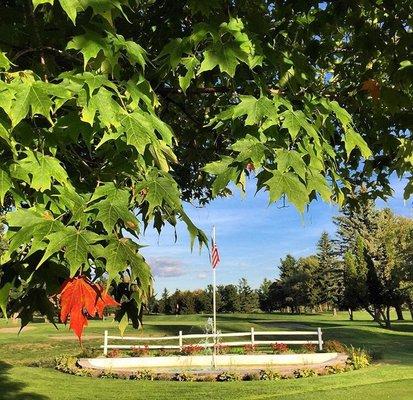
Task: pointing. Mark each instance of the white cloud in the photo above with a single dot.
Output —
(166, 267)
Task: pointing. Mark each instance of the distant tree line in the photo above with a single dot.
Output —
(367, 265)
(230, 298)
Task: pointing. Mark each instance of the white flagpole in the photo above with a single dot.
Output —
(214, 305)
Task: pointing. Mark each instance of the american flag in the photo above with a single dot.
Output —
(214, 254)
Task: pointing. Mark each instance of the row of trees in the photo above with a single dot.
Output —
(229, 298)
(368, 265)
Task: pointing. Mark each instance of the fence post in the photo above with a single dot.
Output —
(320, 339)
(180, 340)
(252, 336)
(105, 344)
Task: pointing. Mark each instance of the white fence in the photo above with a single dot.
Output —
(252, 340)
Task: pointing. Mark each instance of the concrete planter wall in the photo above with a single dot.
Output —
(228, 360)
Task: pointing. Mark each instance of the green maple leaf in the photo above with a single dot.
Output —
(294, 121)
(122, 254)
(40, 171)
(289, 184)
(4, 61)
(30, 226)
(4, 297)
(74, 202)
(225, 56)
(159, 188)
(250, 148)
(7, 94)
(318, 183)
(353, 139)
(190, 63)
(108, 108)
(89, 44)
(37, 3)
(218, 167)
(290, 158)
(5, 184)
(112, 207)
(254, 109)
(136, 53)
(72, 7)
(138, 129)
(77, 245)
(30, 96)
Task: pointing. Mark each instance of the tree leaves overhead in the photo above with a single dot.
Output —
(5, 184)
(113, 206)
(287, 183)
(77, 245)
(113, 112)
(32, 96)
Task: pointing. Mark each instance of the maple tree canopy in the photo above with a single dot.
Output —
(113, 112)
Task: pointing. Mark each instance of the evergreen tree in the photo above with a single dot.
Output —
(230, 298)
(287, 266)
(163, 305)
(264, 295)
(330, 273)
(248, 298)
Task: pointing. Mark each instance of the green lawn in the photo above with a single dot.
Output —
(391, 378)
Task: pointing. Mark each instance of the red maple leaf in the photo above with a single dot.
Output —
(80, 298)
(372, 87)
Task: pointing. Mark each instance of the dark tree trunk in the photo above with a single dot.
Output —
(399, 312)
(387, 319)
(410, 304)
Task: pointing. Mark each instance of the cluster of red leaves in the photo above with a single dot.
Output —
(250, 348)
(310, 347)
(372, 87)
(279, 348)
(192, 349)
(80, 298)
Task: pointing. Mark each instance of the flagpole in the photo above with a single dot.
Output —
(214, 301)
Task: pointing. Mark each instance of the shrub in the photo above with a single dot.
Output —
(333, 369)
(304, 373)
(236, 350)
(183, 377)
(309, 348)
(191, 349)
(161, 353)
(90, 352)
(269, 375)
(251, 376)
(334, 346)
(144, 375)
(66, 364)
(221, 348)
(279, 348)
(114, 353)
(358, 358)
(227, 377)
(249, 348)
(140, 352)
(108, 375)
(43, 363)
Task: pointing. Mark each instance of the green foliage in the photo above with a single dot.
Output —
(128, 108)
(358, 358)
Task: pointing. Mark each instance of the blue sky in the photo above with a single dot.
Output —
(251, 237)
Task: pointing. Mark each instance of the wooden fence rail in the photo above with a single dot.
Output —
(210, 336)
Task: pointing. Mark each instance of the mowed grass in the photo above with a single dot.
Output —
(390, 378)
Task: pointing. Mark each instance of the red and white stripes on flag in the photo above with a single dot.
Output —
(214, 255)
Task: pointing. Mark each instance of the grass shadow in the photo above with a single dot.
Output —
(12, 390)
